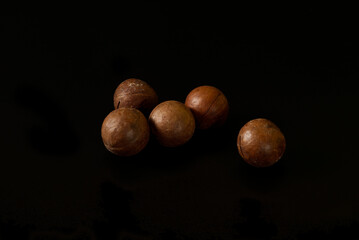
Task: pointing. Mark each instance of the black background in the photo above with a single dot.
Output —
(295, 65)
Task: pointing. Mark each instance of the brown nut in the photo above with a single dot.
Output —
(209, 106)
(172, 123)
(135, 93)
(125, 131)
(261, 143)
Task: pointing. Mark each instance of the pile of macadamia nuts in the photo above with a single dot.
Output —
(126, 131)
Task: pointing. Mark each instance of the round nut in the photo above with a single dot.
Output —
(261, 143)
(172, 123)
(209, 106)
(125, 131)
(135, 93)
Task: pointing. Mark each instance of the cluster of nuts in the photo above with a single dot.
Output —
(126, 131)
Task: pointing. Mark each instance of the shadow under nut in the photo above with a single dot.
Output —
(209, 106)
(125, 131)
(135, 93)
(261, 143)
(172, 123)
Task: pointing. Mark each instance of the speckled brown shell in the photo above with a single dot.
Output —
(172, 123)
(209, 106)
(261, 143)
(125, 131)
(135, 93)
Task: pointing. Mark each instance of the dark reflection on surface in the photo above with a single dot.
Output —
(254, 226)
(53, 134)
(117, 211)
(12, 230)
(341, 231)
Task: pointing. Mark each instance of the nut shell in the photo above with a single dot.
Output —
(135, 93)
(209, 106)
(125, 131)
(172, 123)
(261, 143)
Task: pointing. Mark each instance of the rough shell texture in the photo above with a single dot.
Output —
(209, 106)
(261, 143)
(125, 131)
(135, 93)
(172, 123)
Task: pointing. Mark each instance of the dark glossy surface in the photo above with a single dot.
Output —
(295, 65)
(209, 106)
(260, 143)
